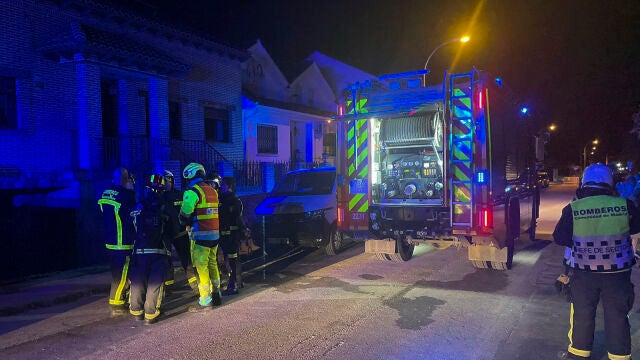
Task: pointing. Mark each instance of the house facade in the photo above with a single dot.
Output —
(86, 87)
(293, 120)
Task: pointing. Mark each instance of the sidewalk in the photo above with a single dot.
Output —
(71, 285)
(53, 289)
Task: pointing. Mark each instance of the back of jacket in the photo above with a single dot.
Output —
(173, 201)
(230, 211)
(116, 205)
(151, 222)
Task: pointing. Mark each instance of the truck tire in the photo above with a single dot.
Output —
(532, 229)
(513, 232)
(334, 242)
(404, 249)
(535, 212)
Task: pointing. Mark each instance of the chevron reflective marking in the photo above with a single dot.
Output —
(358, 203)
(354, 201)
(462, 172)
(360, 106)
(462, 128)
(352, 169)
(364, 173)
(462, 151)
(462, 193)
(461, 213)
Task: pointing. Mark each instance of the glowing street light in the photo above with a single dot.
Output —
(461, 40)
(552, 127)
(524, 110)
(584, 152)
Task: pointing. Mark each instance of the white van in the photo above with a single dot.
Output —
(301, 210)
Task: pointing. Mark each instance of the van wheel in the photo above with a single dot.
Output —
(404, 249)
(335, 241)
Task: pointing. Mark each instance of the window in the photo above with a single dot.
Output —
(267, 139)
(175, 123)
(216, 124)
(8, 106)
(329, 144)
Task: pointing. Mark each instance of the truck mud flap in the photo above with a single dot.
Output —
(387, 246)
(486, 256)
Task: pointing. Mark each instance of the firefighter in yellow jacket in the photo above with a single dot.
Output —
(199, 212)
(596, 230)
(116, 204)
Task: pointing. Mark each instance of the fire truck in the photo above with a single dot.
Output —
(446, 165)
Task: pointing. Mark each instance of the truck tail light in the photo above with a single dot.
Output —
(340, 215)
(486, 218)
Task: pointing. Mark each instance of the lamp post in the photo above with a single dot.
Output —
(584, 152)
(463, 40)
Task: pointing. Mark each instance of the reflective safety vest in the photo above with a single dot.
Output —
(601, 241)
(207, 225)
(116, 204)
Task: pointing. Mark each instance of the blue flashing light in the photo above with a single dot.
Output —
(499, 81)
(482, 177)
(524, 110)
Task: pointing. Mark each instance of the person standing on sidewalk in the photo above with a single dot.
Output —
(199, 212)
(231, 230)
(177, 234)
(597, 228)
(116, 204)
(150, 253)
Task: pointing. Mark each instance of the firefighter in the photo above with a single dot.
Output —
(177, 234)
(116, 204)
(199, 212)
(597, 228)
(150, 253)
(231, 230)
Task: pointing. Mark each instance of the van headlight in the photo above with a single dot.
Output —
(314, 214)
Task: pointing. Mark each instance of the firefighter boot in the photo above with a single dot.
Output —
(216, 297)
(231, 288)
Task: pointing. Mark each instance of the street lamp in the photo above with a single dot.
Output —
(584, 152)
(462, 40)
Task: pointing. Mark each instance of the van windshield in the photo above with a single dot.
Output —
(305, 183)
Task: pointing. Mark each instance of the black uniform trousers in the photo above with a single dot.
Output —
(119, 261)
(182, 244)
(148, 273)
(616, 292)
(230, 244)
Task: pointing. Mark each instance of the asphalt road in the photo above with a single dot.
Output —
(350, 306)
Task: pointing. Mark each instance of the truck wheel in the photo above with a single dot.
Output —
(513, 231)
(404, 249)
(335, 241)
(532, 229)
(535, 212)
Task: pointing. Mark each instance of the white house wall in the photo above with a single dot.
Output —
(282, 119)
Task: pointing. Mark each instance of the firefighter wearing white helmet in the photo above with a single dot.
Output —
(199, 212)
(596, 229)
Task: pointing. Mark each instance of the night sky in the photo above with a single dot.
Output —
(574, 63)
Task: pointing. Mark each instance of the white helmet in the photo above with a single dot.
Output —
(598, 176)
(191, 171)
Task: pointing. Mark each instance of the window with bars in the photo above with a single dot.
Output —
(8, 105)
(216, 124)
(267, 139)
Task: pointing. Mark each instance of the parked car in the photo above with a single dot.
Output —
(301, 210)
(543, 179)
